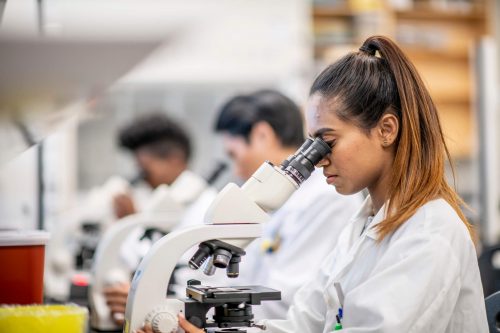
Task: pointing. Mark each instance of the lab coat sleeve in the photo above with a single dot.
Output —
(413, 288)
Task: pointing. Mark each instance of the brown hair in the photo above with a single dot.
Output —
(366, 86)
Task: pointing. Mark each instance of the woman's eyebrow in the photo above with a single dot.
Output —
(321, 131)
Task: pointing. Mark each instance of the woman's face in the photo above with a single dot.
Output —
(357, 160)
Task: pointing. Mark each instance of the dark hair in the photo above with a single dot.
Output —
(378, 79)
(157, 133)
(363, 85)
(241, 112)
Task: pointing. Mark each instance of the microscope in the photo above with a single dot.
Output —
(163, 212)
(231, 222)
(73, 243)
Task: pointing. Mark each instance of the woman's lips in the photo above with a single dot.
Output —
(331, 179)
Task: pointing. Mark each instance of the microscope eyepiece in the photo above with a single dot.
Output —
(300, 166)
(304, 146)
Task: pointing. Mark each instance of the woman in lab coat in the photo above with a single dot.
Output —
(406, 261)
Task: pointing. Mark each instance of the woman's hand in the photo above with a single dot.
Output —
(146, 329)
(183, 323)
(187, 326)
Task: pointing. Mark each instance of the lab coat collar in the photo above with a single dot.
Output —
(351, 244)
(365, 211)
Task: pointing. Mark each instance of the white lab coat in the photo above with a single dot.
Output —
(422, 278)
(309, 224)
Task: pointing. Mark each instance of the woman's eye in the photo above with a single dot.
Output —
(330, 143)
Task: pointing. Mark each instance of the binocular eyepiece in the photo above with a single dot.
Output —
(300, 165)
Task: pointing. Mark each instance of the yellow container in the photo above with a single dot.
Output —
(43, 319)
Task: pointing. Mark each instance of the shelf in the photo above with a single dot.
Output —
(447, 100)
(339, 42)
(429, 14)
(329, 11)
(427, 54)
(437, 40)
(457, 129)
(424, 13)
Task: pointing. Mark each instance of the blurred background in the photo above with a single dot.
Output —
(72, 73)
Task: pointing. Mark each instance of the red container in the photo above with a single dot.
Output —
(21, 266)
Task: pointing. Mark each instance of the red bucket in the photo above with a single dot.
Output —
(22, 255)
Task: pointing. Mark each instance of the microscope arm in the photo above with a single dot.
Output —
(108, 267)
(237, 220)
(150, 283)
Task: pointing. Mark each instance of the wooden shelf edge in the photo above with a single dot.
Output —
(437, 14)
(329, 11)
(418, 12)
(436, 55)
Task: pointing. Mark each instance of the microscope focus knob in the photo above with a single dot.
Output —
(162, 321)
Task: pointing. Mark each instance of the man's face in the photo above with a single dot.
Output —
(246, 156)
(157, 170)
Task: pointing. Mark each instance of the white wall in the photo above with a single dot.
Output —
(18, 192)
(60, 173)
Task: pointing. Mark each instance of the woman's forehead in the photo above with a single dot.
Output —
(320, 106)
(320, 115)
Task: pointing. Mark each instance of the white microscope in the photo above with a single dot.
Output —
(66, 238)
(163, 212)
(232, 222)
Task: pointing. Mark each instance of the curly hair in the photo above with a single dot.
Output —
(156, 133)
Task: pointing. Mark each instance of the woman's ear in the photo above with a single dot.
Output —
(388, 128)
